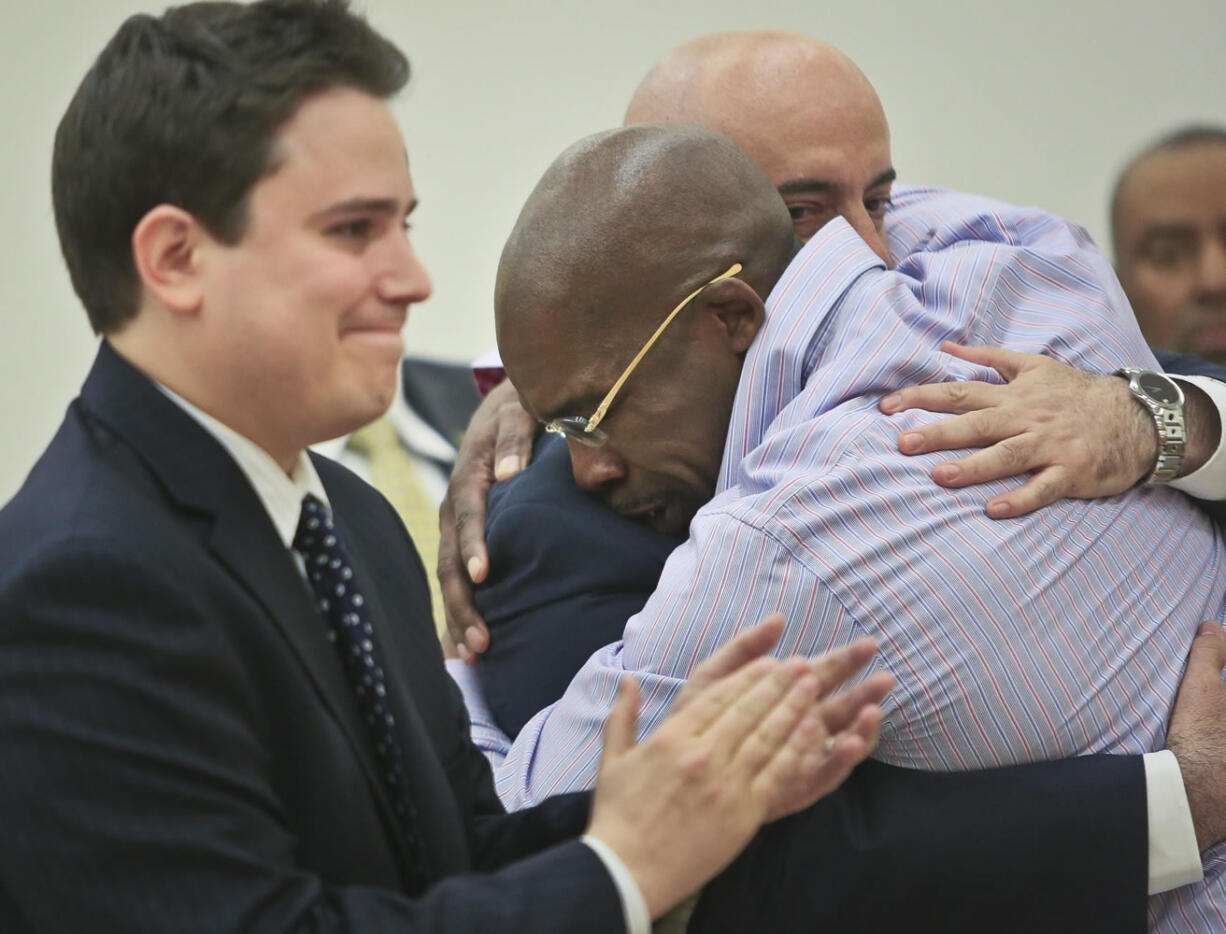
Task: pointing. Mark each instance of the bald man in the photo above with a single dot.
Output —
(751, 418)
(745, 85)
(813, 121)
(1168, 225)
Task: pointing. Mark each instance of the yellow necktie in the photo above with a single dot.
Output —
(395, 475)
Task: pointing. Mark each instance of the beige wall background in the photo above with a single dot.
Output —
(1037, 102)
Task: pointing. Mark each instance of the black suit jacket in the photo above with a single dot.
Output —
(1055, 846)
(180, 747)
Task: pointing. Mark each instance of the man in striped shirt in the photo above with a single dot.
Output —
(1044, 637)
(808, 115)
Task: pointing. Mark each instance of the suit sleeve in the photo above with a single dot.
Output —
(1055, 847)
(134, 785)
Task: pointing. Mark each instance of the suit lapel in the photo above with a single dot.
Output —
(200, 477)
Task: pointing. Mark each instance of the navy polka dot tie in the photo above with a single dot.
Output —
(330, 574)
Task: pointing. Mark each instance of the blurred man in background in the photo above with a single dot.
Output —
(1168, 223)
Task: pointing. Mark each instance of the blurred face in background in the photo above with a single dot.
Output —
(1170, 247)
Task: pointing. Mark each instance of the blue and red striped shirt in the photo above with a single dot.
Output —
(1050, 635)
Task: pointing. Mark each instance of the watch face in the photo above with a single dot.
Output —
(1159, 388)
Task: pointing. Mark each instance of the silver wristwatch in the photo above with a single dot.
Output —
(1164, 399)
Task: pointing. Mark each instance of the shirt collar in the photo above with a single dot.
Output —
(782, 356)
(280, 494)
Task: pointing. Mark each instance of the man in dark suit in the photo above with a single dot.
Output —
(222, 705)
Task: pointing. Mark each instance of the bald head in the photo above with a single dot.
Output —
(657, 208)
(622, 228)
(799, 106)
(715, 79)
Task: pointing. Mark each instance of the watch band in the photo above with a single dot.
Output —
(1164, 399)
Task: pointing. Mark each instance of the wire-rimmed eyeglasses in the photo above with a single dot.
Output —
(587, 430)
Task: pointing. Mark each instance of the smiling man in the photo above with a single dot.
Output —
(222, 702)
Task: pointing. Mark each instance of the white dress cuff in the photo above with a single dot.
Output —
(634, 906)
(1208, 482)
(1174, 858)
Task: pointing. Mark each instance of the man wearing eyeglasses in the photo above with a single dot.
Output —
(823, 168)
(1044, 637)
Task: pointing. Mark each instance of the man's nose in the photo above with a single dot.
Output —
(1211, 272)
(864, 224)
(403, 279)
(595, 468)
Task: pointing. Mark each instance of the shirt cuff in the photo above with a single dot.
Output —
(486, 735)
(634, 906)
(1208, 482)
(1174, 858)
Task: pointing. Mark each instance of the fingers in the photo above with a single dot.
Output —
(746, 646)
(1044, 488)
(783, 780)
(707, 706)
(1008, 457)
(464, 623)
(465, 626)
(513, 445)
(815, 762)
(839, 712)
(1008, 363)
(850, 748)
(1207, 657)
(960, 396)
(1005, 459)
(754, 709)
(973, 429)
(837, 666)
(867, 726)
(810, 767)
(448, 644)
(954, 397)
(768, 720)
(468, 493)
(462, 557)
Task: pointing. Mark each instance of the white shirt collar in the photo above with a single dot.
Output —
(281, 495)
(418, 435)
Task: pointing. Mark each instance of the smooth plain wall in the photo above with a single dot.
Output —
(1037, 102)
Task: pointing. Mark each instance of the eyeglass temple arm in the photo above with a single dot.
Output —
(601, 409)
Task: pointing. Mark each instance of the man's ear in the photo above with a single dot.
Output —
(166, 250)
(738, 309)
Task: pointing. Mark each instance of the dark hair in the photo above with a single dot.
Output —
(183, 109)
(1194, 135)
